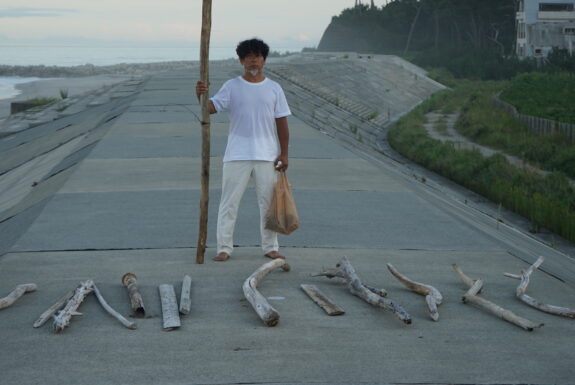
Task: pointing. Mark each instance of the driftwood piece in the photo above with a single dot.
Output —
(265, 311)
(433, 297)
(185, 297)
(522, 288)
(137, 303)
(337, 272)
(322, 301)
(169, 307)
(18, 292)
(53, 309)
(111, 311)
(62, 319)
(473, 297)
(356, 287)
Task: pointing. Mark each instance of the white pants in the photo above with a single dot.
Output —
(236, 176)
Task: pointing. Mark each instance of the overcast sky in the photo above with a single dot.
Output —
(283, 23)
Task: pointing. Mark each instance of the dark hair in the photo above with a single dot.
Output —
(255, 46)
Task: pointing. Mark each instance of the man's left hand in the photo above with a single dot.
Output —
(281, 163)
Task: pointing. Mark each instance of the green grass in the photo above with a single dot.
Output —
(41, 101)
(485, 124)
(546, 95)
(547, 201)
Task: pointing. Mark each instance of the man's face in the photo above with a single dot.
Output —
(253, 63)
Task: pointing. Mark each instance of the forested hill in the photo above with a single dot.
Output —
(424, 26)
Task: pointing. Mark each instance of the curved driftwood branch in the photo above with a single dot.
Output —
(473, 297)
(18, 292)
(111, 311)
(53, 309)
(265, 311)
(522, 288)
(130, 282)
(62, 319)
(433, 297)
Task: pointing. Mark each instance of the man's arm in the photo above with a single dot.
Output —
(201, 88)
(283, 136)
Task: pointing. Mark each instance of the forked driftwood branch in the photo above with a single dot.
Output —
(472, 296)
(265, 311)
(18, 292)
(433, 297)
(337, 272)
(129, 280)
(62, 319)
(73, 301)
(53, 309)
(111, 311)
(522, 288)
(345, 270)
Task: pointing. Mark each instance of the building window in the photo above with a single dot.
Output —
(556, 7)
(569, 31)
(538, 51)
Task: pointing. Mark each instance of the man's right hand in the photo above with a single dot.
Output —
(201, 88)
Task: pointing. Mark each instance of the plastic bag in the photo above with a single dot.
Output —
(282, 214)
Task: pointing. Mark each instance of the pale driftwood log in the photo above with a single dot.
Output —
(336, 272)
(345, 270)
(265, 311)
(111, 311)
(53, 309)
(137, 303)
(62, 319)
(473, 297)
(18, 292)
(170, 314)
(522, 288)
(185, 297)
(330, 307)
(433, 297)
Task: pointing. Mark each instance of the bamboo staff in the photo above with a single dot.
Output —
(204, 75)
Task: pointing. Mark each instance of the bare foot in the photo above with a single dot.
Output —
(274, 255)
(221, 257)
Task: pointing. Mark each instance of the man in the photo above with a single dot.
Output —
(257, 143)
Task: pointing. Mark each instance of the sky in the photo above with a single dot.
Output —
(290, 24)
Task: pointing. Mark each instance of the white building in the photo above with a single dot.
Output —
(543, 25)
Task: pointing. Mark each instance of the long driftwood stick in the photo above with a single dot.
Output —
(433, 297)
(330, 307)
(18, 292)
(170, 314)
(357, 288)
(265, 311)
(53, 309)
(472, 297)
(185, 297)
(111, 311)
(204, 75)
(130, 281)
(522, 288)
(62, 319)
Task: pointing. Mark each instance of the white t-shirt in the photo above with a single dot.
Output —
(253, 108)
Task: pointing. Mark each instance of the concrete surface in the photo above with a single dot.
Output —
(131, 203)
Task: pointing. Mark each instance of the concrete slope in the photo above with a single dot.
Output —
(132, 205)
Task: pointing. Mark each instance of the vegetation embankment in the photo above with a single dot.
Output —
(547, 201)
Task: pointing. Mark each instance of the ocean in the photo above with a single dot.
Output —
(99, 56)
